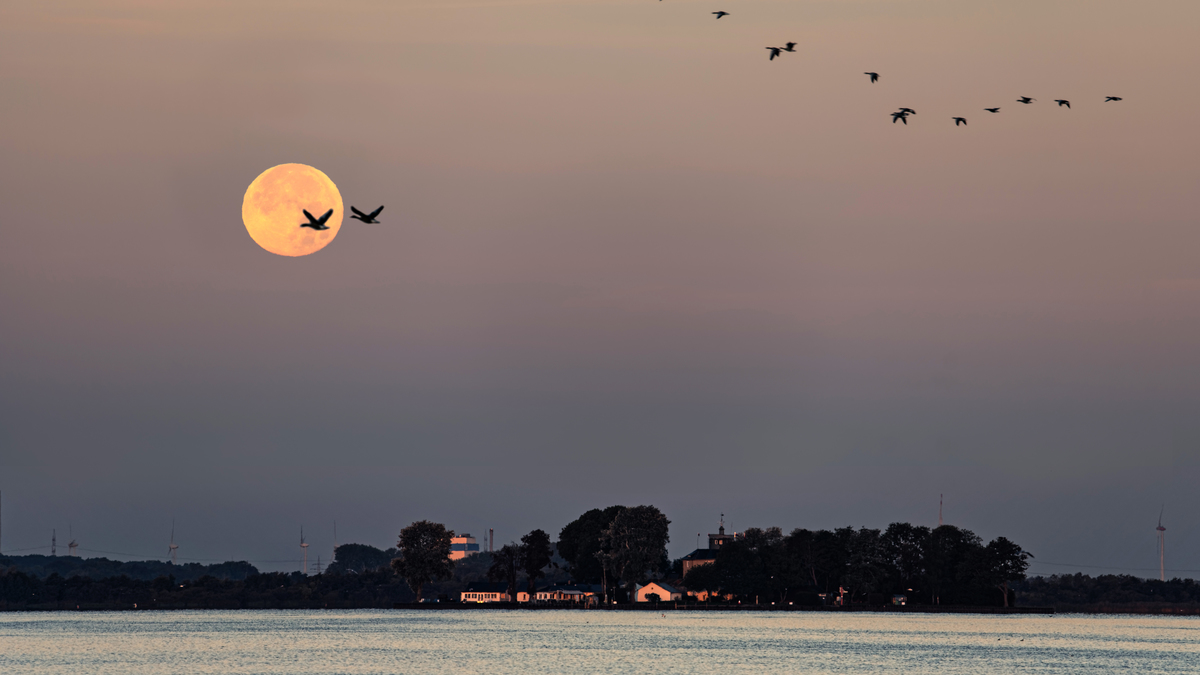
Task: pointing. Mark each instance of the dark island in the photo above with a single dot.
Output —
(615, 556)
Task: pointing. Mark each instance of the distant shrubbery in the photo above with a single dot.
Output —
(379, 588)
(103, 568)
(1109, 592)
(359, 577)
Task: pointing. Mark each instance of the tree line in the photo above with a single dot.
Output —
(945, 565)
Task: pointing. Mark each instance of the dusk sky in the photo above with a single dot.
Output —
(625, 259)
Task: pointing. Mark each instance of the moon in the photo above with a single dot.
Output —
(274, 208)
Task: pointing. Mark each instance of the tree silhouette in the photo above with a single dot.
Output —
(359, 558)
(1005, 562)
(636, 542)
(579, 544)
(424, 554)
(535, 556)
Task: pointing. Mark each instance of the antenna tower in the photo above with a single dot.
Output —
(1162, 547)
(940, 510)
(304, 547)
(173, 547)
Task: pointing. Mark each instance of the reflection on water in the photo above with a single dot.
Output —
(476, 641)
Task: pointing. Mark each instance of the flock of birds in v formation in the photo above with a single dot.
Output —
(902, 114)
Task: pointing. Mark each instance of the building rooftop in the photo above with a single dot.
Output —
(702, 554)
(665, 586)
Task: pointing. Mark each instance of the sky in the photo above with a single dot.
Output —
(625, 259)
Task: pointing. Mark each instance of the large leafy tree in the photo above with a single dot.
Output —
(535, 556)
(636, 544)
(579, 544)
(905, 546)
(1005, 562)
(950, 562)
(424, 554)
(505, 563)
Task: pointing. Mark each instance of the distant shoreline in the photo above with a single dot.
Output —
(662, 607)
(701, 607)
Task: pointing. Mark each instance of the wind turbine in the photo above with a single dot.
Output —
(1162, 546)
(173, 547)
(304, 547)
(74, 544)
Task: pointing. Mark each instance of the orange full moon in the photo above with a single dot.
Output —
(274, 208)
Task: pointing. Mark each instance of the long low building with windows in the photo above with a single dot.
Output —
(485, 591)
(569, 595)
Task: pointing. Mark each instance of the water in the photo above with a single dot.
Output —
(481, 641)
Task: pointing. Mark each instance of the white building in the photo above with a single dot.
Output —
(487, 591)
(664, 592)
(572, 595)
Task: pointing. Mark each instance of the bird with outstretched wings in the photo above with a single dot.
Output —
(366, 217)
(317, 223)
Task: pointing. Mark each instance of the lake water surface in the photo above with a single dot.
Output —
(482, 641)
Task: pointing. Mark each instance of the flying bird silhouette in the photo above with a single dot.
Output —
(366, 217)
(1026, 100)
(992, 110)
(774, 52)
(908, 111)
(317, 223)
(960, 120)
(789, 47)
(1062, 101)
(1112, 98)
(874, 77)
(900, 117)
(720, 14)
